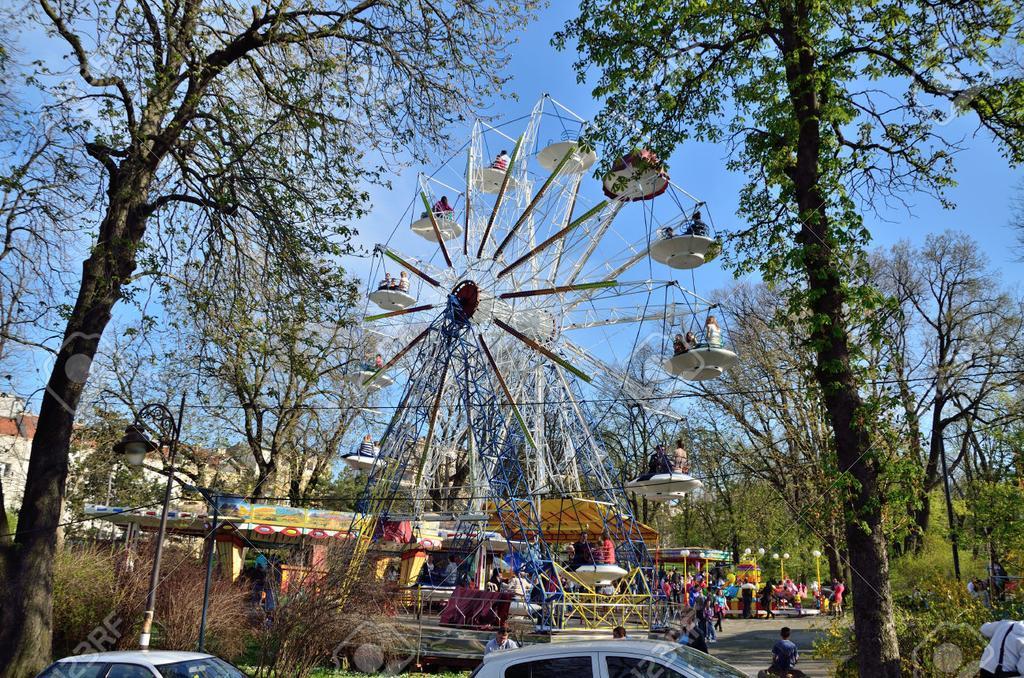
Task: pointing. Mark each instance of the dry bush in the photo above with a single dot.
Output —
(101, 592)
(322, 617)
(179, 609)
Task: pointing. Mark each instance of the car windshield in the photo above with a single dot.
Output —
(705, 664)
(210, 667)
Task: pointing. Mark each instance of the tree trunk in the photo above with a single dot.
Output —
(875, 632)
(26, 606)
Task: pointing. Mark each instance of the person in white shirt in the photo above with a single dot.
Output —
(1004, 655)
(520, 586)
(500, 641)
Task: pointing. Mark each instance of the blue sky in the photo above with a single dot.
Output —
(984, 196)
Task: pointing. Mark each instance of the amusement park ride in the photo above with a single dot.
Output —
(506, 336)
(492, 334)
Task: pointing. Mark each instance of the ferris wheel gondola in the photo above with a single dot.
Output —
(664, 486)
(701, 363)
(637, 176)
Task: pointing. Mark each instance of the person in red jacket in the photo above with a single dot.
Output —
(607, 554)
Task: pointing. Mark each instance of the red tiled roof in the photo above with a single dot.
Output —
(22, 427)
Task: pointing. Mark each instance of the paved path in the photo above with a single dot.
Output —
(747, 643)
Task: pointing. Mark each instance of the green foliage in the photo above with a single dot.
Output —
(936, 621)
(994, 513)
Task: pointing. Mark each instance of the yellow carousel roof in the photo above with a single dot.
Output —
(562, 520)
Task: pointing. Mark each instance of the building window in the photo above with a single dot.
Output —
(6, 470)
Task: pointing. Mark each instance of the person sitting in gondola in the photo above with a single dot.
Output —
(502, 161)
(583, 552)
(679, 345)
(366, 447)
(679, 459)
(386, 283)
(378, 361)
(403, 282)
(442, 209)
(690, 340)
(697, 225)
(659, 463)
(606, 554)
(712, 332)
(666, 232)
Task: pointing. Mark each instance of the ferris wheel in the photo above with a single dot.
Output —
(517, 296)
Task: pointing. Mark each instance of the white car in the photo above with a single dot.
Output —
(152, 664)
(604, 659)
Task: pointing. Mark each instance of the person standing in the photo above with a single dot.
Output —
(1004, 654)
(747, 596)
(837, 598)
(712, 332)
(619, 633)
(766, 600)
(500, 641)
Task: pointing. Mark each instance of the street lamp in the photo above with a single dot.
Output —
(817, 566)
(782, 564)
(685, 553)
(134, 446)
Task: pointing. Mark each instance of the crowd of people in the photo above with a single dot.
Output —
(712, 338)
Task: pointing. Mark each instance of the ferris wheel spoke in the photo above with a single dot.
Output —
(560, 289)
(432, 421)
(398, 356)
(557, 236)
(543, 351)
(469, 192)
(409, 267)
(533, 203)
(403, 311)
(595, 238)
(501, 195)
(508, 394)
(437, 231)
(614, 274)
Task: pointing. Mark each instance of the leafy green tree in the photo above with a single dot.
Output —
(222, 135)
(788, 84)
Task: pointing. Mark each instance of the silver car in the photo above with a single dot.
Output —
(152, 664)
(604, 659)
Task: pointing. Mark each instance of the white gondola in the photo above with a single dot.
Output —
(701, 363)
(665, 486)
(358, 377)
(449, 228)
(488, 179)
(359, 462)
(550, 156)
(629, 182)
(681, 251)
(392, 300)
(591, 575)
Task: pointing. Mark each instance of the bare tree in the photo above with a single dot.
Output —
(956, 350)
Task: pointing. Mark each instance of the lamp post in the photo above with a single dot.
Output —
(775, 556)
(685, 553)
(760, 554)
(782, 564)
(134, 446)
(817, 566)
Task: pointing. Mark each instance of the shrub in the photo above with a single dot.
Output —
(99, 592)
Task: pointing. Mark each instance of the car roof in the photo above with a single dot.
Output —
(150, 657)
(541, 650)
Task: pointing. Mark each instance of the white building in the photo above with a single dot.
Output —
(17, 428)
